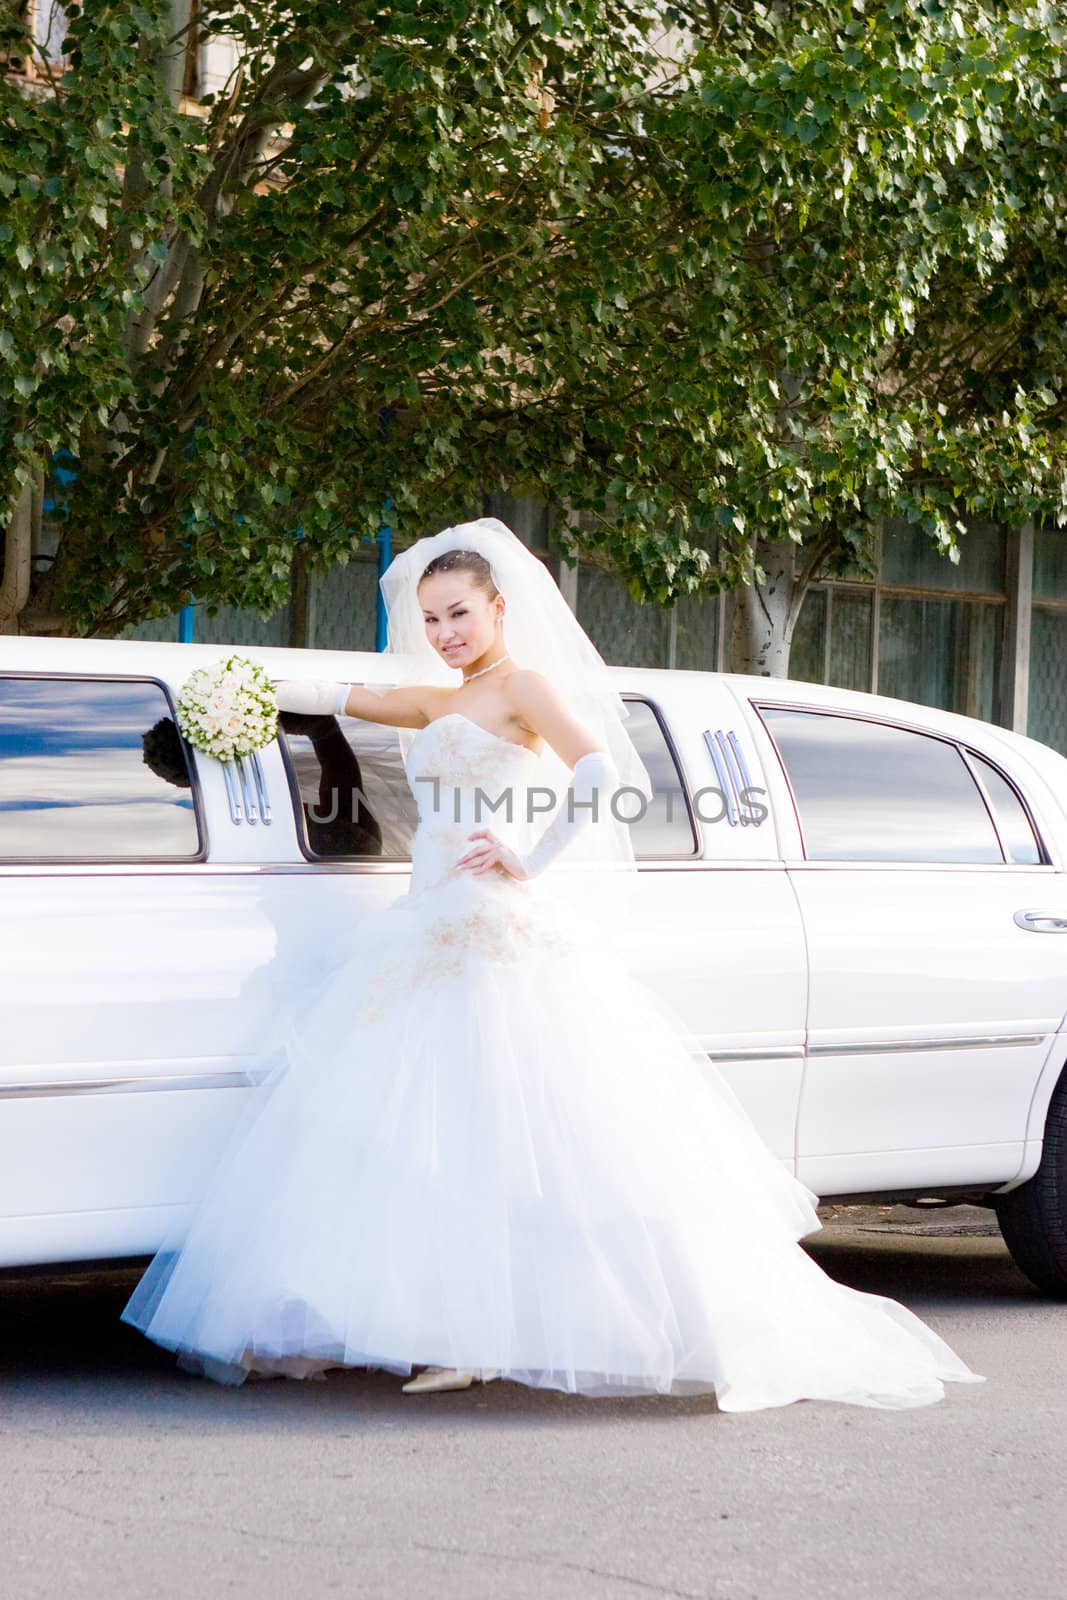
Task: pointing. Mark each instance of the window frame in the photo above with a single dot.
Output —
(759, 704)
(970, 750)
(696, 854)
(403, 863)
(195, 788)
(391, 864)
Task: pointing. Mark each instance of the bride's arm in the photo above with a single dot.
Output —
(593, 778)
(539, 708)
(397, 708)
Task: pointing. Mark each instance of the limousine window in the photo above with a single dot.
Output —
(347, 775)
(667, 828)
(355, 801)
(869, 791)
(93, 769)
(1013, 823)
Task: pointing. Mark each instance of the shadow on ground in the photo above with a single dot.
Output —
(65, 1324)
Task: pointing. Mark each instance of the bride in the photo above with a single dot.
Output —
(491, 1152)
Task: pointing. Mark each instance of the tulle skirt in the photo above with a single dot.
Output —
(489, 1149)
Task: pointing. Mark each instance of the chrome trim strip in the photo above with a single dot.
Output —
(249, 1078)
(724, 782)
(784, 1052)
(232, 795)
(164, 869)
(966, 1042)
(251, 810)
(891, 720)
(720, 740)
(261, 787)
(132, 1085)
(746, 780)
(859, 864)
(735, 776)
(372, 867)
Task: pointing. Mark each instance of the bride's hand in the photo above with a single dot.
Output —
(489, 851)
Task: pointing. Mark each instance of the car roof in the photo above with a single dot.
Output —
(173, 661)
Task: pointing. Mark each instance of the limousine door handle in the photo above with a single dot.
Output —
(1042, 921)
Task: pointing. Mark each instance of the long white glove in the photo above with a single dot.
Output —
(593, 781)
(314, 697)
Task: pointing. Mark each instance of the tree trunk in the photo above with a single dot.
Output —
(765, 615)
(18, 551)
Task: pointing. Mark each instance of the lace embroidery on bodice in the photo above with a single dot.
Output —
(460, 922)
(464, 777)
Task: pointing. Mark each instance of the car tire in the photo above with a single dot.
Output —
(1033, 1217)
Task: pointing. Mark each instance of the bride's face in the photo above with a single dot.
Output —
(462, 622)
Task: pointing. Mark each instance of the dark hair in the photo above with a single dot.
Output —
(464, 561)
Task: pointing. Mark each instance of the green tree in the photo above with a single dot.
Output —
(827, 277)
(274, 318)
(792, 270)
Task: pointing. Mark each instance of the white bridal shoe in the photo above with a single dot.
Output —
(434, 1378)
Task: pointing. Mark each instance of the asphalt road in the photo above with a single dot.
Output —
(123, 1477)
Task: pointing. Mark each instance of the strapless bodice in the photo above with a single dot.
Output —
(465, 777)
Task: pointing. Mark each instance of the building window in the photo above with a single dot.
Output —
(924, 629)
(940, 652)
(45, 22)
(627, 633)
(1047, 719)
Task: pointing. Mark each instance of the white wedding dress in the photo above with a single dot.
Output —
(488, 1150)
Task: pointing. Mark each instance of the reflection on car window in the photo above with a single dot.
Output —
(93, 769)
(1014, 824)
(666, 829)
(867, 791)
(355, 800)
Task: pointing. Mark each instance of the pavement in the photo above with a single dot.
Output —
(125, 1478)
(929, 1220)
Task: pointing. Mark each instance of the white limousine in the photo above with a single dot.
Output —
(857, 904)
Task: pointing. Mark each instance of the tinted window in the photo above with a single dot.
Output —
(866, 791)
(666, 829)
(355, 799)
(1016, 831)
(93, 769)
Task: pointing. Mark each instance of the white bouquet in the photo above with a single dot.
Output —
(229, 709)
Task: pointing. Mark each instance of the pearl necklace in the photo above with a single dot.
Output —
(489, 668)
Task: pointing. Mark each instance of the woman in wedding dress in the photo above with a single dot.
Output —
(490, 1153)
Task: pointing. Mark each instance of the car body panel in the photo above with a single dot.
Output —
(888, 1026)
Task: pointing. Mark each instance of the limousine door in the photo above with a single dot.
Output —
(720, 934)
(933, 1006)
(134, 974)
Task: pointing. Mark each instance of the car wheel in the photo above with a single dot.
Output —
(1033, 1217)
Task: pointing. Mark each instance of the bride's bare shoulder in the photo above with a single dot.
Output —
(530, 690)
(539, 707)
